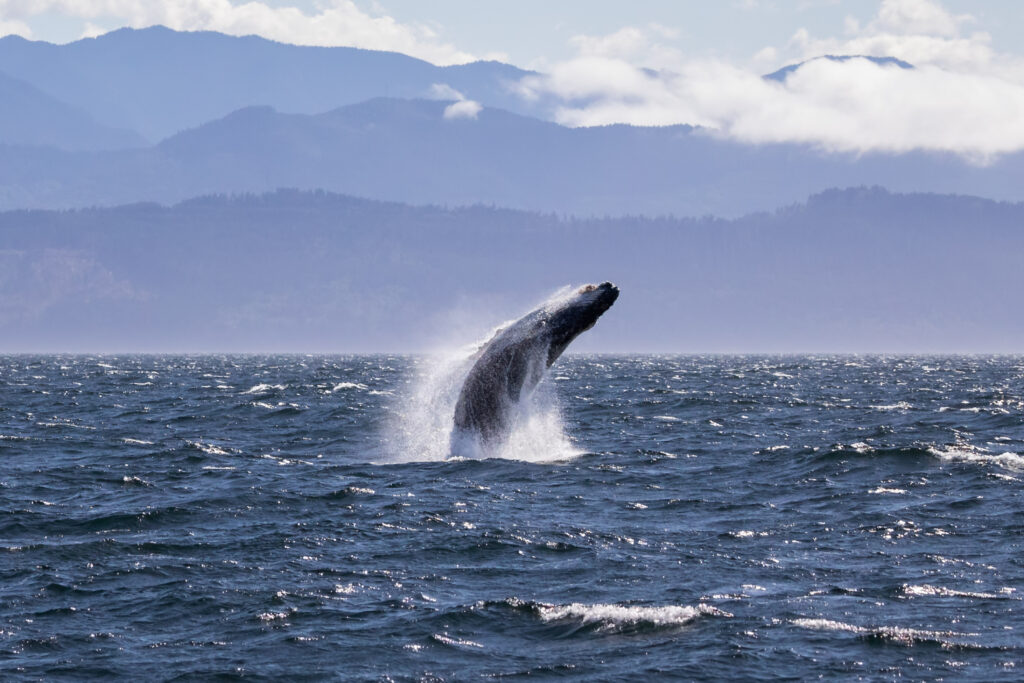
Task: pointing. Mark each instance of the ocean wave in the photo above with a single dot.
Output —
(617, 617)
(975, 454)
(263, 388)
(209, 448)
(925, 590)
(342, 386)
(900, 405)
(895, 634)
(445, 639)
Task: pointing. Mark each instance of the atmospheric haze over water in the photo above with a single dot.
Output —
(688, 516)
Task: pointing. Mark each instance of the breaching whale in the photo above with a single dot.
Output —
(508, 367)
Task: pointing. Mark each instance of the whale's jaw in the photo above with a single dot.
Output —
(579, 315)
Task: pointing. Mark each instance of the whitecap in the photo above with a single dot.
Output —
(454, 642)
(964, 453)
(926, 590)
(342, 386)
(747, 533)
(612, 616)
(896, 634)
(902, 405)
(273, 616)
(261, 388)
(208, 448)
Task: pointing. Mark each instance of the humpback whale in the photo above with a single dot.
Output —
(509, 366)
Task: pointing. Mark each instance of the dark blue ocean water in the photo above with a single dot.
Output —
(292, 518)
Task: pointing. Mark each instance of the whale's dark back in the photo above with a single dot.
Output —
(511, 364)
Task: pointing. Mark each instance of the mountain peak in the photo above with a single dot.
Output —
(782, 74)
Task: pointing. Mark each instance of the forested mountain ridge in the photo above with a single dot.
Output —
(850, 270)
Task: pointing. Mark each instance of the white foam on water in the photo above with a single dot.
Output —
(967, 453)
(342, 386)
(454, 642)
(902, 405)
(208, 448)
(926, 590)
(896, 634)
(612, 616)
(260, 388)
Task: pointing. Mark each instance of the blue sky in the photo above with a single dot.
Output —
(659, 62)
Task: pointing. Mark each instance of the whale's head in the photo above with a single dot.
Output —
(576, 314)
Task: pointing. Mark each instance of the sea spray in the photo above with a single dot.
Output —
(422, 428)
(423, 425)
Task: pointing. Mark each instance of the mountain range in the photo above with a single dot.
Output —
(158, 82)
(854, 270)
(410, 151)
(159, 115)
(165, 191)
(33, 118)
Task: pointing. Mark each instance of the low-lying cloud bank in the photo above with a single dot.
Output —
(960, 97)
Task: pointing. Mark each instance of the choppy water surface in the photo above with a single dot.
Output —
(725, 517)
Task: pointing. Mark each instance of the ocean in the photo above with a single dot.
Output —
(296, 517)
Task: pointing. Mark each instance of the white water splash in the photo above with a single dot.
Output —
(422, 429)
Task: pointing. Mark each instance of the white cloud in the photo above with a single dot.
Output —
(631, 44)
(14, 27)
(918, 17)
(461, 108)
(335, 22)
(443, 91)
(917, 31)
(962, 97)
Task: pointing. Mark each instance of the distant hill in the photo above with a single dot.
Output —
(157, 81)
(850, 270)
(29, 116)
(409, 151)
(782, 74)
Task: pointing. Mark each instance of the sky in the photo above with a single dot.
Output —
(660, 62)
